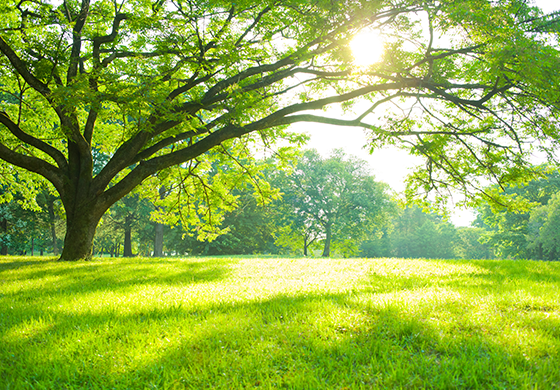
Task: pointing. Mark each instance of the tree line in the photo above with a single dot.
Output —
(316, 207)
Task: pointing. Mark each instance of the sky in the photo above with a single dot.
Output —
(390, 165)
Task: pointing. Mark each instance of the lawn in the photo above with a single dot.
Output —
(233, 323)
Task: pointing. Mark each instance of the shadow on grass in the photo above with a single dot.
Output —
(60, 282)
(9, 263)
(118, 274)
(292, 341)
(314, 341)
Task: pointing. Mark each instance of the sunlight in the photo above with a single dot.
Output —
(367, 48)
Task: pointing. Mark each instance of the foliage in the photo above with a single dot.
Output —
(169, 88)
(251, 322)
(526, 232)
(544, 229)
(413, 233)
(335, 199)
(251, 228)
(469, 246)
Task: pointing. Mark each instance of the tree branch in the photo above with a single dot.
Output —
(33, 164)
(56, 155)
(77, 42)
(21, 68)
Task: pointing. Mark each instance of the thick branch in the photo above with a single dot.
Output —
(77, 41)
(30, 140)
(33, 164)
(21, 69)
(98, 41)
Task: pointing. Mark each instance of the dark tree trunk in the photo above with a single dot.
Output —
(4, 227)
(127, 252)
(50, 207)
(305, 246)
(80, 230)
(327, 247)
(158, 239)
(32, 246)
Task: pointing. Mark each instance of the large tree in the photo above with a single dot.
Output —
(172, 83)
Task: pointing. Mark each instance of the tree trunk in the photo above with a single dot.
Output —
(158, 240)
(127, 252)
(305, 246)
(32, 246)
(327, 247)
(4, 227)
(80, 230)
(50, 207)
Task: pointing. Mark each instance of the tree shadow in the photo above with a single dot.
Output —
(117, 275)
(290, 341)
(8, 263)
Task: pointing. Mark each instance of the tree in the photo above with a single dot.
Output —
(336, 197)
(515, 232)
(23, 227)
(469, 245)
(544, 236)
(418, 234)
(171, 84)
(49, 203)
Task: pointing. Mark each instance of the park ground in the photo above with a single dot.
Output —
(253, 322)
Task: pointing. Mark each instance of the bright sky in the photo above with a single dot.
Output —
(389, 165)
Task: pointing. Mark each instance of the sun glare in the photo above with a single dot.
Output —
(367, 48)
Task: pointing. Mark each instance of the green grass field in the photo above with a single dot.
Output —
(233, 323)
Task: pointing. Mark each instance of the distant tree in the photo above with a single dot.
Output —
(336, 197)
(513, 232)
(126, 215)
(378, 243)
(51, 217)
(22, 229)
(544, 230)
(469, 246)
(417, 234)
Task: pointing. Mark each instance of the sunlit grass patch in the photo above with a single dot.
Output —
(267, 322)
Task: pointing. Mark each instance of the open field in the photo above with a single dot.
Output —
(279, 323)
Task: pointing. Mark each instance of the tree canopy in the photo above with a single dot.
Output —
(335, 200)
(168, 89)
(529, 232)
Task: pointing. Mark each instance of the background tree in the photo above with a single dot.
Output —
(126, 216)
(544, 230)
(469, 244)
(418, 234)
(337, 197)
(514, 232)
(163, 84)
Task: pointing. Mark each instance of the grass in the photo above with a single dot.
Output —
(233, 323)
